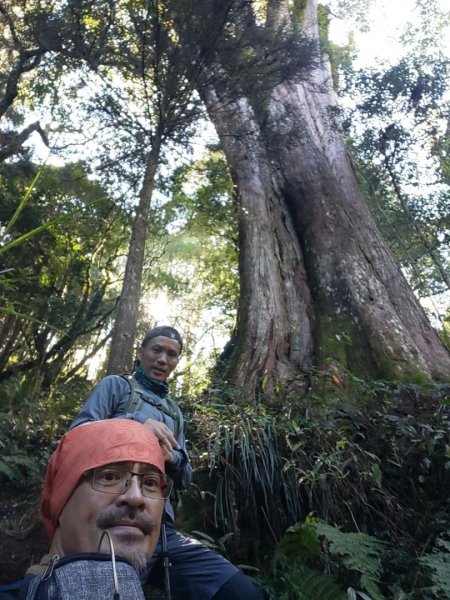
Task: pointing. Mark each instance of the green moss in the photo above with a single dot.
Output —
(324, 25)
(339, 341)
(418, 378)
(391, 370)
(298, 9)
(341, 344)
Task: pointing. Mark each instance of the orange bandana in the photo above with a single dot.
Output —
(89, 446)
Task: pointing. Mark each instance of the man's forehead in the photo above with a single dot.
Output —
(162, 340)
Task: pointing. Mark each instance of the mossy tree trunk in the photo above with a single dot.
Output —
(319, 286)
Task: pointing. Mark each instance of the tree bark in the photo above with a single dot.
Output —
(121, 355)
(274, 328)
(318, 282)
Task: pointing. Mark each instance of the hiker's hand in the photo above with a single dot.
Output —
(166, 438)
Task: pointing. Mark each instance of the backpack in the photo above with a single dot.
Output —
(138, 397)
(84, 576)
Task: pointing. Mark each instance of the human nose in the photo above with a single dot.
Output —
(133, 493)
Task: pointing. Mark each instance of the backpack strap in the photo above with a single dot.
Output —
(138, 397)
(177, 416)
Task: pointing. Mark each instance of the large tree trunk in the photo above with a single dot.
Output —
(122, 352)
(274, 335)
(317, 280)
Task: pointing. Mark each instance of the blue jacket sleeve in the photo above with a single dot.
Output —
(180, 470)
(106, 401)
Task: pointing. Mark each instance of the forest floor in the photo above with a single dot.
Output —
(22, 538)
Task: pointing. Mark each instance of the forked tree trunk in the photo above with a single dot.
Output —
(318, 283)
(122, 351)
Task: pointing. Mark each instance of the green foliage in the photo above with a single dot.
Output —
(218, 544)
(438, 563)
(243, 447)
(300, 542)
(304, 583)
(31, 420)
(16, 465)
(358, 552)
(24, 452)
(58, 265)
(371, 461)
(203, 208)
(398, 113)
(333, 549)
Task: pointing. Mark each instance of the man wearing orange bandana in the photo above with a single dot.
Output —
(104, 476)
(88, 488)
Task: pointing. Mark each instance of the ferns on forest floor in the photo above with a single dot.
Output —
(375, 463)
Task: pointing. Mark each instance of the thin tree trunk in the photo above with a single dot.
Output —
(122, 350)
(9, 332)
(415, 224)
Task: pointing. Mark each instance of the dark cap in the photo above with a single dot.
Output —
(165, 331)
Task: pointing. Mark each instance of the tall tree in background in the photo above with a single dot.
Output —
(22, 48)
(319, 286)
(160, 79)
(144, 96)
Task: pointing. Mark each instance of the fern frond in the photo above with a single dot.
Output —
(358, 552)
(308, 584)
(437, 564)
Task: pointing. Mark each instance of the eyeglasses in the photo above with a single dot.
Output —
(115, 480)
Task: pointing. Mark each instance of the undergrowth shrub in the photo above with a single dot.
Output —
(317, 560)
(372, 463)
(31, 422)
(437, 563)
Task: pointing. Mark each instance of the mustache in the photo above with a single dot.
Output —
(115, 515)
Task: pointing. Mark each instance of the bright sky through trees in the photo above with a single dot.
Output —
(379, 40)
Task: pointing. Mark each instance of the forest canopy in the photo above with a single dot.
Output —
(242, 170)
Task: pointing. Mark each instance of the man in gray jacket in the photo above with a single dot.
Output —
(196, 572)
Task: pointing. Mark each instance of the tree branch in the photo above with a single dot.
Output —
(12, 143)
